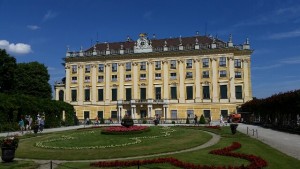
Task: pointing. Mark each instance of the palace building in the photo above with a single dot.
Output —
(175, 78)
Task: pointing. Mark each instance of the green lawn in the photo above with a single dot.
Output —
(182, 138)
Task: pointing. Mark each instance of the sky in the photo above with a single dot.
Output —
(41, 30)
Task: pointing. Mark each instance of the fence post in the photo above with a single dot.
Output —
(51, 164)
(256, 134)
(247, 130)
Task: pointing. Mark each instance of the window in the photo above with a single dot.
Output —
(74, 95)
(143, 93)
(205, 74)
(189, 92)
(238, 75)
(238, 92)
(237, 63)
(74, 68)
(224, 113)
(114, 78)
(100, 79)
(223, 73)
(100, 114)
(223, 91)
(157, 93)
(190, 113)
(128, 77)
(114, 67)
(173, 76)
(87, 94)
(142, 76)
(61, 95)
(143, 66)
(87, 68)
(173, 114)
(100, 94)
(87, 79)
(114, 114)
(206, 94)
(174, 92)
(86, 114)
(101, 68)
(157, 76)
(189, 63)
(205, 62)
(114, 94)
(157, 65)
(128, 94)
(189, 75)
(222, 61)
(173, 64)
(128, 66)
(74, 79)
(206, 114)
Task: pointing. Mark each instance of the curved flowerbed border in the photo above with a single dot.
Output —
(136, 140)
(255, 161)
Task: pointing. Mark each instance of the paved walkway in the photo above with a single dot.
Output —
(284, 142)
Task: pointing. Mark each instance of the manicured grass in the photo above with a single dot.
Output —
(19, 164)
(275, 159)
(177, 140)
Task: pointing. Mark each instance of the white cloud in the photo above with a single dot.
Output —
(49, 15)
(33, 27)
(291, 60)
(19, 48)
(266, 67)
(282, 35)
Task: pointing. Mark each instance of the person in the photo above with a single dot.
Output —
(42, 124)
(96, 120)
(29, 122)
(195, 119)
(21, 125)
(221, 120)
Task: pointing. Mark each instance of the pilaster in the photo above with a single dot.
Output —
(166, 80)
(232, 79)
(121, 82)
(68, 79)
(181, 81)
(135, 80)
(150, 80)
(94, 84)
(197, 81)
(107, 82)
(215, 80)
(80, 84)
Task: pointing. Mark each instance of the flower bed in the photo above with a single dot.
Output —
(255, 162)
(125, 130)
(213, 127)
(10, 142)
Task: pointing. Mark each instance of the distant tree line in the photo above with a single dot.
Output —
(24, 90)
(280, 111)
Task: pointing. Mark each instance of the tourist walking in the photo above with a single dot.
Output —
(195, 120)
(21, 125)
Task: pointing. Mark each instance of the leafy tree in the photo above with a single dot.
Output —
(202, 119)
(32, 79)
(7, 72)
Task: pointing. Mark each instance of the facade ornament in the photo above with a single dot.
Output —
(180, 61)
(196, 41)
(180, 40)
(107, 46)
(197, 33)
(153, 36)
(213, 59)
(122, 47)
(94, 50)
(107, 65)
(150, 62)
(214, 40)
(121, 64)
(230, 58)
(94, 65)
(80, 66)
(67, 67)
(166, 43)
(247, 41)
(135, 63)
(68, 48)
(230, 38)
(165, 61)
(128, 38)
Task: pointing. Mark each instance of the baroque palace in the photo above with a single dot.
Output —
(175, 78)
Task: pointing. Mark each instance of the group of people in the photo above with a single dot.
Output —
(25, 124)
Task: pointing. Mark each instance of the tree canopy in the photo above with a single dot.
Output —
(8, 66)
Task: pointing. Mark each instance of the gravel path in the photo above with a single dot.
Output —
(284, 142)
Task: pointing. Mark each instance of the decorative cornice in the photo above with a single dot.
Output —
(121, 64)
(236, 52)
(135, 63)
(80, 66)
(165, 61)
(67, 67)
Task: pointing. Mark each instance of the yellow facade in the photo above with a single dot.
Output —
(174, 84)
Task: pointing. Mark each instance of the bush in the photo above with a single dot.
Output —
(102, 121)
(173, 122)
(144, 121)
(202, 119)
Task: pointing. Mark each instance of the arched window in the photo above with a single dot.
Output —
(61, 95)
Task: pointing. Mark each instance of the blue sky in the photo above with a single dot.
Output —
(41, 30)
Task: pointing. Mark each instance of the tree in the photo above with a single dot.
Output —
(32, 79)
(7, 72)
